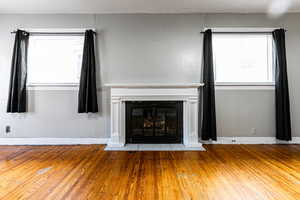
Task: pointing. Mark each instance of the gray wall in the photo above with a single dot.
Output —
(145, 49)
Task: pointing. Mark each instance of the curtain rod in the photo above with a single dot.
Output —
(241, 32)
(55, 33)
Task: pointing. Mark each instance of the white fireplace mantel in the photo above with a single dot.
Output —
(188, 93)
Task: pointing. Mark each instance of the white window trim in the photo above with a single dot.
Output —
(245, 83)
(245, 86)
(242, 29)
(51, 86)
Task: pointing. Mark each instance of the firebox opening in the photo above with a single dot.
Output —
(154, 122)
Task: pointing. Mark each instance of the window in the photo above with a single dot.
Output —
(243, 58)
(54, 59)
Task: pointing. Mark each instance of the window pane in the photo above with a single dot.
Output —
(54, 59)
(243, 58)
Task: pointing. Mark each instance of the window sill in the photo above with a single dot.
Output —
(245, 86)
(50, 86)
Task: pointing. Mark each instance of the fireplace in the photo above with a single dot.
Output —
(154, 122)
(147, 102)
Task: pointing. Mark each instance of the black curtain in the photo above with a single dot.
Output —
(87, 97)
(208, 130)
(282, 101)
(17, 98)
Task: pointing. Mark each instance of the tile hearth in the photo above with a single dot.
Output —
(154, 147)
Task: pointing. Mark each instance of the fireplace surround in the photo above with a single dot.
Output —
(122, 94)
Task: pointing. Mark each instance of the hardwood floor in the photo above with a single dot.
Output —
(223, 172)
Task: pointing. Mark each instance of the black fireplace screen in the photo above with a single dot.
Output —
(154, 122)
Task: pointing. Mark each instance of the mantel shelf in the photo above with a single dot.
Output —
(161, 85)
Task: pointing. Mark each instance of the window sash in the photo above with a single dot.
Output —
(65, 44)
(235, 82)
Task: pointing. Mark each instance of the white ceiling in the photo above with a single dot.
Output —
(139, 6)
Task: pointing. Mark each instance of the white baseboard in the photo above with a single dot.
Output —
(74, 141)
(52, 141)
(252, 140)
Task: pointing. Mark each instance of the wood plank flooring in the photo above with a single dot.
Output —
(223, 172)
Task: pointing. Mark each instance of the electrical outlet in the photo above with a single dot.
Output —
(7, 129)
(253, 131)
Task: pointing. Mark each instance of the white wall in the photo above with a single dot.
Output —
(145, 49)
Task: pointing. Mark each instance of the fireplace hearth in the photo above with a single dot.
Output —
(154, 122)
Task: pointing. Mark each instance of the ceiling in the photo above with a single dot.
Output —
(139, 6)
